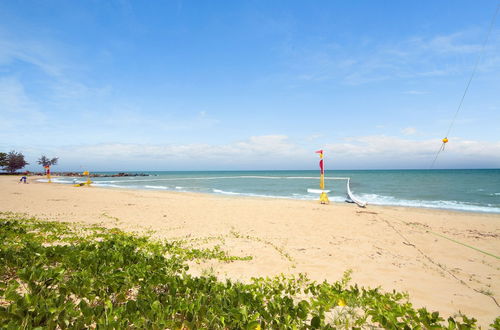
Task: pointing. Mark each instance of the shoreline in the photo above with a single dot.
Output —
(255, 196)
(388, 246)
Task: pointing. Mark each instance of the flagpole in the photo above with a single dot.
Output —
(323, 197)
(322, 183)
(321, 173)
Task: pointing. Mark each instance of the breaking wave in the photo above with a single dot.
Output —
(440, 204)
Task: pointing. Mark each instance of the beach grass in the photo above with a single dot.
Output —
(62, 275)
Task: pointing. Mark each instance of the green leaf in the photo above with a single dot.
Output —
(315, 322)
(254, 325)
(156, 306)
(303, 309)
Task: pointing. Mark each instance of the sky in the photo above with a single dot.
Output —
(249, 85)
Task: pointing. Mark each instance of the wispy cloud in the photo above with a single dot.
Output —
(35, 53)
(414, 57)
(415, 92)
(409, 131)
(314, 137)
(17, 109)
(45, 64)
(447, 44)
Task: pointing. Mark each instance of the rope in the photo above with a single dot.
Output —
(406, 241)
(437, 154)
(469, 246)
(468, 83)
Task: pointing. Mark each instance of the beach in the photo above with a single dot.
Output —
(439, 257)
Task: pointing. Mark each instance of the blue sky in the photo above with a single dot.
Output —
(195, 85)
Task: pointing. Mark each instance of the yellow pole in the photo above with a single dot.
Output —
(322, 175)
(323, 197)
(88, 178)
(48, 173)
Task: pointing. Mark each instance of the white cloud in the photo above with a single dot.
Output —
(409, 131)
(381, 146)
(256, 147)
(279, 152)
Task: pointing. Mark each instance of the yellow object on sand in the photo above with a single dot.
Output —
(86, 183)
(81, 184)
(323, 198)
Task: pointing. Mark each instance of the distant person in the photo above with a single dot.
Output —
(23, 179)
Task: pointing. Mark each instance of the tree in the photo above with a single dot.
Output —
(14, 161)
(45, 161)
(3, 159)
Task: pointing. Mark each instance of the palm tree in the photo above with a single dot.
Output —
(45, 161)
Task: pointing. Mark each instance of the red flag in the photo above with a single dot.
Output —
(319, 151)
(321, 166)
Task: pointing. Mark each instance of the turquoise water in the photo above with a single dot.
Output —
(464, 190)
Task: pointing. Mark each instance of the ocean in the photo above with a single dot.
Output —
(463, 190)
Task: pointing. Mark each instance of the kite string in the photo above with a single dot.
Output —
(468, 83)
(441, 148)
(475, 67)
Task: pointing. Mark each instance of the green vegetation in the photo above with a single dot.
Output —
(59, 275)
(12, 161)
(3, 159)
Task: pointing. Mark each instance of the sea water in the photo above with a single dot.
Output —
(464, 190)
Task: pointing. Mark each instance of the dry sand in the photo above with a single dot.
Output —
(392, 247)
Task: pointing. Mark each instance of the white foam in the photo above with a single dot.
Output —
(441, 204)
(110, 181)
(222, 178)
(157, 187)
(218, 191)
(296, 196)
(116, 186)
